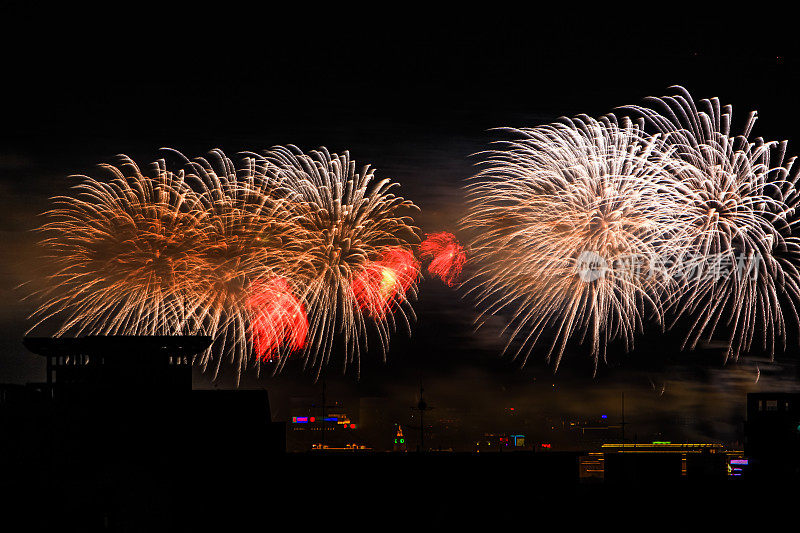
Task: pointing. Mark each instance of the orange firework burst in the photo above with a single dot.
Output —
(239, 253)
(277, 318)
(354, 224)
(446, 254)
(251, 234)
(170, 254)
(123, 252)
(386, 281)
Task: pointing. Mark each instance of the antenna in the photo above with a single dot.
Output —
(422, 406)
(623, 418)
(324, 404)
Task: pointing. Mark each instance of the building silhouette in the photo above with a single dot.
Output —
(120, 402)
(772, 435)
(115, 432)
(399, 440)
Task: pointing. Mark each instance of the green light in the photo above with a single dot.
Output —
(402, 441)
(662, 442)
(395, 441)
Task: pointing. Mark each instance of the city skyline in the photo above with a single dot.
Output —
(125, 434)
(432, 103)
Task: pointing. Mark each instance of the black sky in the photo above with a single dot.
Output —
(412, 91)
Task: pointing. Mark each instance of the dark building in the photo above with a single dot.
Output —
(772, 434)
(665, 462)
(312, 428)
(160, 363)
(228, 421)
(707, 466)
(499, 442)
(115, 431)
(642, 468)
(400, 444)
(119, 403)
(105, 401)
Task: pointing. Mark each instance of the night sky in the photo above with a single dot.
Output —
(415, 94)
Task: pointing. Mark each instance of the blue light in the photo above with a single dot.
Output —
(603, 416)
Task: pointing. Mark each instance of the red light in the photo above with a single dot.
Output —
(311, 419)
(380, 282)
(276, 317)
(352, 426)
(447, 256)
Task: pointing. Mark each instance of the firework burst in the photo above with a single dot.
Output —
(739, 197)
(175, 253)
(237, 253)
(447, 257)
(251, 235)
(560, 217)
(384, 283)
(355, 228)
(124, 251)
(277, 320)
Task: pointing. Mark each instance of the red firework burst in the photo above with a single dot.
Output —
(446, 254)
(278, 318)
(385, 281)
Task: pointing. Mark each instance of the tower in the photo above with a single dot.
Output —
(399, 440)
(422, 406)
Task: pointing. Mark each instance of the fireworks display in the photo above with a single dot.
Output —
(384, 282)
(355, 227)
(580, 230)
(251, 235)
(287, 251)
(446, 255)
(739, 198)
(558, 214)
(587, 227)
(278, 318)
(125, 252)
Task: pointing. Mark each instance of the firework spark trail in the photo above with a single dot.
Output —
(200, 250)
(351, 220)
(383, 283)
(557, 215)
(739, 197)
(251, 234)
(168, 254)
(447, 257)
(123, 252)
(277, 318)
